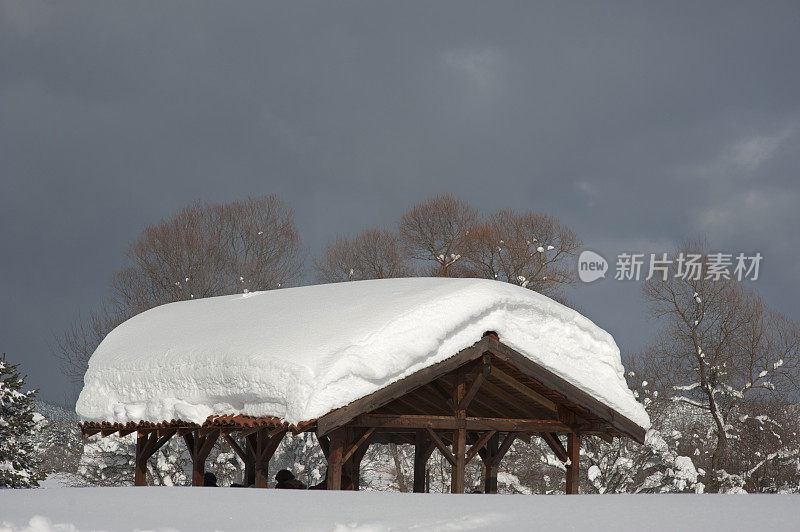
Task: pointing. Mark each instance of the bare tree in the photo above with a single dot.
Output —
(531, 250)
(436, 231)
(202, 251)
(719, 350)
(373, 254)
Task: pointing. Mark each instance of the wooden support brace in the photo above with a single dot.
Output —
(437, 441)
(146, 446)
(504, 447)
(324, 444)
(358, 455)
(236, 447)
(353, 448)
(479, 445)
(485, 367)
(555, 445)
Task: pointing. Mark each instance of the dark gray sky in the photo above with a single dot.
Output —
(637, 125)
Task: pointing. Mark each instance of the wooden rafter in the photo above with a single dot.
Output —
(522, 389)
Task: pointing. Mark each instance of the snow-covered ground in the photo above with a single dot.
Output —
(249, 509)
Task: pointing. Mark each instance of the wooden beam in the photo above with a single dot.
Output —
(166, 432)
(89, 432)
(522, 389)
(251, 430)
(277, 430)
(437, 441)
(407, 421)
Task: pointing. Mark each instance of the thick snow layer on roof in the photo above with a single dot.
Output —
(298, 353)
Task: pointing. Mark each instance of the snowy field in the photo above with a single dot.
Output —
(248, 509)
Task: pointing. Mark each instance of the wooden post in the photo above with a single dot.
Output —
(422, 452)
(261, 468)
(335, 454)
(347, 461)
(199, 448)
(146, 446)
(459, 435)
(573, 466)
(491, 465)
(262, 445)
(249, 467)
(198, 465)
(140, 466)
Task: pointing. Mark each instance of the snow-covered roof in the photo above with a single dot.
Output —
(298, 353)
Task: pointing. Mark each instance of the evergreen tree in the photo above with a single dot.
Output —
(18, 462)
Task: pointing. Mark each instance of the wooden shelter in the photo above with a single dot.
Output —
(473, 405)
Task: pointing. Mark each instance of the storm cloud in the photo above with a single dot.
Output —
(636, 124)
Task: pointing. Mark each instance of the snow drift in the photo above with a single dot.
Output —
(298, 353)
